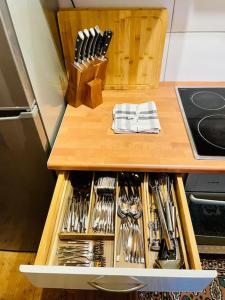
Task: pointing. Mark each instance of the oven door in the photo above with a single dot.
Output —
(208, 217)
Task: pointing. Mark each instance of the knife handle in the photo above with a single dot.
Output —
(83, 48)
(98, 46)
(94, 42)
(85, 44)
(107, 36)
(89, 43)
(79, 42)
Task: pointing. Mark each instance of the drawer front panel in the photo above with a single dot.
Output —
(117, 279)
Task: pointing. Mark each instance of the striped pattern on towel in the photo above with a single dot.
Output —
(128, 118)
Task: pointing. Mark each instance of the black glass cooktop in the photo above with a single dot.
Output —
(203, 111)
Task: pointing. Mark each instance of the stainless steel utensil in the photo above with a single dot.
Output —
(130, 238)
(103, 214)
(164, 210)
(81, 253)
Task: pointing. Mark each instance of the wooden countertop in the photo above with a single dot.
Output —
(86, 142)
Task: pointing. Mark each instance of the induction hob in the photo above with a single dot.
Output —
(203, 111)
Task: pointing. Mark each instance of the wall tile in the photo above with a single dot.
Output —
(196, 57)
(199, 15)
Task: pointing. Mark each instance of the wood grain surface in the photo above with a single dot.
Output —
(86, 141)
(188, 232)
(135, 53)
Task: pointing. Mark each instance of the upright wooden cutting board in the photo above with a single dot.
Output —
(135, 53)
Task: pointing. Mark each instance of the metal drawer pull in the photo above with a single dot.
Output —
(102, 288)
(206, 201)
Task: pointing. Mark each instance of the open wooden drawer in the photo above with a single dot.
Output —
(48, 274)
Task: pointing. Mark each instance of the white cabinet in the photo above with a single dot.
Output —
(199, 15)
(196, 57)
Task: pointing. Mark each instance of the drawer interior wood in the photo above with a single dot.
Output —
(52, 219)
(188, 232)
(53, 235)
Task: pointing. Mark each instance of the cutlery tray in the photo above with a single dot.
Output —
(51, 271)
(113, 251)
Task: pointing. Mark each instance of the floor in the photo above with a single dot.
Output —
(15, 286)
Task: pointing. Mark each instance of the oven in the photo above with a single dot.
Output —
(206, 200)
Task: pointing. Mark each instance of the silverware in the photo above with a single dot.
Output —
(130, 238)
(76, 215)
(81, 253)
(103, 214)
(155, 187)
(163, 233)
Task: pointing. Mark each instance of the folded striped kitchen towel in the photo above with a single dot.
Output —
(136, 118)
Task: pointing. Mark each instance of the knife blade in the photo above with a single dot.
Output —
(93, 46)
(84, 45)
(107, 36)
(78, 46)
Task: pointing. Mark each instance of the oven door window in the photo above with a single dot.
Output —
(208, 214)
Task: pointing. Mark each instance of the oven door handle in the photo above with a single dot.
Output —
(206, 201)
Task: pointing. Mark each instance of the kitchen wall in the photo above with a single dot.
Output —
(195, 39)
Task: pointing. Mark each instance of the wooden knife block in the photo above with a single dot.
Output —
(85, 86)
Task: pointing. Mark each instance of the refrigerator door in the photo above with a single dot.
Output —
(43, 59)
(15, 88)
(26, 185)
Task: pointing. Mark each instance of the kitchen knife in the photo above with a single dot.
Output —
(89, 41)
(79, 43)
(93, 46)
(98, 46)
(89, 44)
(84, 45)
(107, 36)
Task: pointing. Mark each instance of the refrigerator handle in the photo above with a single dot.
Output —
(22, 115)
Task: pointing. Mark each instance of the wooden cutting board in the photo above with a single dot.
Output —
(135, 53)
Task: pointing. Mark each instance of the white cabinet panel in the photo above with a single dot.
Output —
(122, 3)
(199, 15)
(196, 57)
(43, 62)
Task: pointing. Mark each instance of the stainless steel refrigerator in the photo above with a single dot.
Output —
(26, 130)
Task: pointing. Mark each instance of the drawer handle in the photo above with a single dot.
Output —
(102, 288)
(206, 201)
